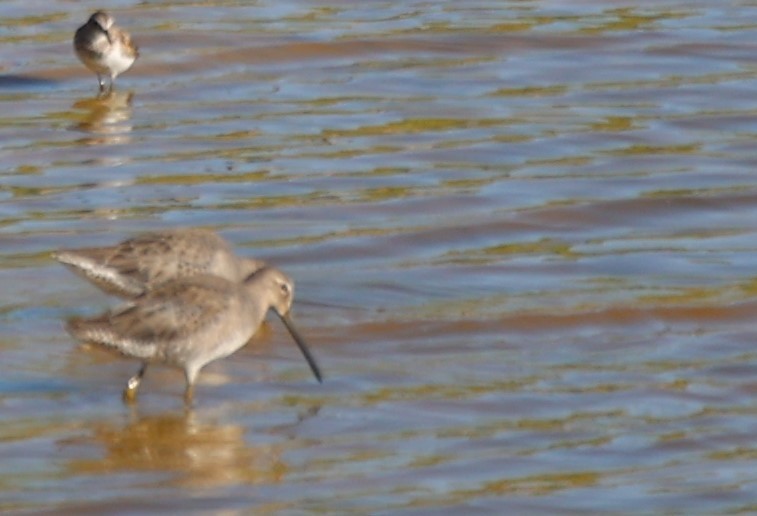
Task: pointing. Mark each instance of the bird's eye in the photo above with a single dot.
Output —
(285, 289)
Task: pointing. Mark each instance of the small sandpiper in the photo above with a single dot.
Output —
(188, 323)
(104, 48)
(141, 263)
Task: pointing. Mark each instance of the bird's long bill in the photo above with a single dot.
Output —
(303, 347)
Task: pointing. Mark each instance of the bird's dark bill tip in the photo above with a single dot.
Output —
(303, 347)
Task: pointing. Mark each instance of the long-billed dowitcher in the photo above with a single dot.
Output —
(136, 265)
(104, 48)
(190, 322)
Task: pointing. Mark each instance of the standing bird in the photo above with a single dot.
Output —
(191, 322)
(139, 264)
(104, 48)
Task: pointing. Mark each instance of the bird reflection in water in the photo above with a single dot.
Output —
(197, 453)
(106, 118)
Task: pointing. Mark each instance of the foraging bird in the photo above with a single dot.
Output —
(191, 322)
(105, 48)
(137, 265)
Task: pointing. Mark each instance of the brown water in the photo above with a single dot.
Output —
(523, 233)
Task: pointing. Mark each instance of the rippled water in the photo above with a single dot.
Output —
(523, 235)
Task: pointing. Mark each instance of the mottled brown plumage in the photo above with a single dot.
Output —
(104, 48)
(190, 322)
(139, 264)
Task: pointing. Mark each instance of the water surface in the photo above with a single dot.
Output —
(523, 235)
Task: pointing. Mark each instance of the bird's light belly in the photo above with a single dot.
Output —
(117, 62)
(96, 64)
(204, 348)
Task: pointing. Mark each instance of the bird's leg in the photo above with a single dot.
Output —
(190, 373)
(130, 392)
(189, 395)
(101, 82)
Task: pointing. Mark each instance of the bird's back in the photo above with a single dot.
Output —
(140, 264)
(199, 318)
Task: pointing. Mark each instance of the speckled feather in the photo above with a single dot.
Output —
(105, 48)
(137, 265)
(190, 322)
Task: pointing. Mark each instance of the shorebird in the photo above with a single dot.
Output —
(188, 323)
(139, 264)
(104, 48)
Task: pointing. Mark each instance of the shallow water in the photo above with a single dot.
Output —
(523, 235)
